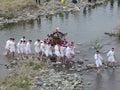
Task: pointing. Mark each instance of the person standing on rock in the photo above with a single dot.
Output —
(111, 57)
(37, 2)
(98, 61)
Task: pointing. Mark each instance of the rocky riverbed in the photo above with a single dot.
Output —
(44, 9)
(36, 75)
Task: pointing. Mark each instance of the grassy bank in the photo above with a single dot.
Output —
(13, 5)
(21, 78)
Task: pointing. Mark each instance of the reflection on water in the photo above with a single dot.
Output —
(111, 74)
(98, 82)
(118, 3)
(84, 11)
(106, 80)
(39, 21)
(66, 15)
(111, 4)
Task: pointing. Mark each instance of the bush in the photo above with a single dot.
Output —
(97, 45)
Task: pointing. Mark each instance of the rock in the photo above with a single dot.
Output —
(80, 62)
(1, 18)
(78, 70)
(79, 43)
(76, 8)
(71, 69)
(77, 52)
(89, 83)
(63, 66)
(13, 63)
(110, 33)
(51, 13)
(59, 88)
(86, 59)
(79, 66)
(91, 66)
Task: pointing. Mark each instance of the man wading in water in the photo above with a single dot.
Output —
(111, 58)
(98, 61)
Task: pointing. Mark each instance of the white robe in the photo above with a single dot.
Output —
(110, 56)
(18, 48)
(62, 51)
(68, 52)
(73, 50)
(48, 50)
(7, 46)
(28, 48)
(57, 50)
(98, 60)
(37, 46)
(12, 46)
(42, 48)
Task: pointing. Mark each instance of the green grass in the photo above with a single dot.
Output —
(23, 84)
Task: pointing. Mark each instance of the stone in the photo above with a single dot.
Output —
(63, 66)
(76, 8)
(91, 66)
(77, 52)
(80, 62)
(89, 83)
(78, 70)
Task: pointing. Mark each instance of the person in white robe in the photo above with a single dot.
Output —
(98, 61)
(37, 48)
(111, 57)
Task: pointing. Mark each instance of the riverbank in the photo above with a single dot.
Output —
(38, 75)
(20, 11)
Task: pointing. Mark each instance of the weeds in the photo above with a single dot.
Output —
(97, 45)
(22, 77)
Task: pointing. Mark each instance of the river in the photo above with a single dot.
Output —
(82, 27)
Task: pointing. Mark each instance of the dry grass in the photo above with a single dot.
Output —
(22, 77)
(13, 5)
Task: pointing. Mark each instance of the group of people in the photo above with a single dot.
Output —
(62, 50)
(110, 59)
(54, 44)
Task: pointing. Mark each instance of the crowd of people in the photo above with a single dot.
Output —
(54, 44)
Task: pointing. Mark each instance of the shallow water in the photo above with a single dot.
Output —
(82, 27)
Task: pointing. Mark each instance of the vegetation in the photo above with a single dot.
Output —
(22, 77)
(97, 45)
(13, 5)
